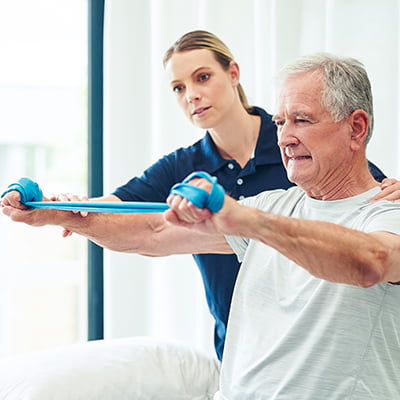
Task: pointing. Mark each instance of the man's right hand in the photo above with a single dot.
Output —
(13, 199)
(13, 208)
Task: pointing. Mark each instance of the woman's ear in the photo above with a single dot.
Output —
(359, 122)
(234, 72)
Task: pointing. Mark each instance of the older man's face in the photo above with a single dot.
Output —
(315, 150)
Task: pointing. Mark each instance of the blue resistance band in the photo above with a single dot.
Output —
(100, 206)
(31, 196)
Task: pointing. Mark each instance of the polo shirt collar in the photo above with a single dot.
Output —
(212, 160)
(267, 151)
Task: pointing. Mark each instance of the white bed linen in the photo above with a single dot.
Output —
(138, 368)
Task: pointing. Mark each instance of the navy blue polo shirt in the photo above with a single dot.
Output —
(264, 171)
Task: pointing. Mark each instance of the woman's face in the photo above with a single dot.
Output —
(204, 90)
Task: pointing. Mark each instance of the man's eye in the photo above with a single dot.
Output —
(301, 121)
(279, 122)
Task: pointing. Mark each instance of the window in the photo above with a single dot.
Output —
(43, 125)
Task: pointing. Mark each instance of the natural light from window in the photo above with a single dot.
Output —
(43, 135)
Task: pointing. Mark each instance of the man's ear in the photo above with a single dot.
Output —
(359, 122)
(234, 73)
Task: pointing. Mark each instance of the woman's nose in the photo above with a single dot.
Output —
(192, 94)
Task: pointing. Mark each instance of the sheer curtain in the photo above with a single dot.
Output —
(43, 123)
(164, 297)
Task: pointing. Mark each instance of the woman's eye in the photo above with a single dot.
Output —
(177, 88)
(204, 77)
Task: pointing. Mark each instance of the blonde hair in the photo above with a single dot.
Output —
(205, 40)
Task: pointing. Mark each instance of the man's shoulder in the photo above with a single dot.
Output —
(381, 216)
(276, 200)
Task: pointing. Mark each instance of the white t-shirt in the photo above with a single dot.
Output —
(293, 336)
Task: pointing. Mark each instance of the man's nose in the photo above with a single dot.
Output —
(286, 136)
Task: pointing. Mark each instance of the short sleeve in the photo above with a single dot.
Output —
(385, 217)
(238, 245)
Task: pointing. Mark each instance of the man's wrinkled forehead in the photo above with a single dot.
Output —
(298, 92)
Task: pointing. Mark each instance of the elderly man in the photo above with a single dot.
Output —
(314, 313)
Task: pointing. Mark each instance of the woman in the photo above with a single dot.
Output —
(239, 148)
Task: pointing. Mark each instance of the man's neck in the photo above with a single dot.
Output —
(343, 186)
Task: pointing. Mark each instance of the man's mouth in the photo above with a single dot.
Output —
(299, 158)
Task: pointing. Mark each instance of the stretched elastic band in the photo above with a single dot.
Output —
(28, 190)
(100, 206)
(31, 195)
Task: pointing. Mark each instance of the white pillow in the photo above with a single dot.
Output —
(135, 368)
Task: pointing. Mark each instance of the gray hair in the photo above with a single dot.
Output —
(347, 86)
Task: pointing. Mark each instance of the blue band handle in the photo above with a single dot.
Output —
(198, 196)
(32, 195)
(28, 190)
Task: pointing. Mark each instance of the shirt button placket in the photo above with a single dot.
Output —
(239, 182)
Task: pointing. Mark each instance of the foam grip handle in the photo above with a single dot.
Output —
(198, 196)
(28, 190)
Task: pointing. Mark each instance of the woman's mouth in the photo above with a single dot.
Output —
(199, 111)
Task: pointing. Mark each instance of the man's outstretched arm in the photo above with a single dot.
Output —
(145, 233)
(328, 251)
